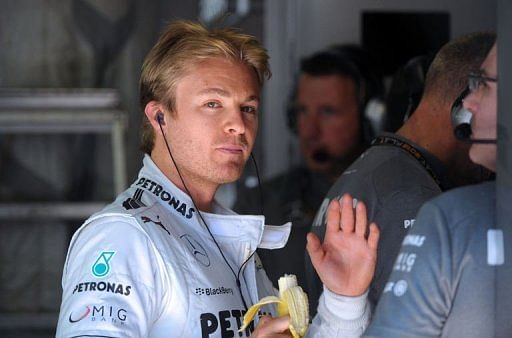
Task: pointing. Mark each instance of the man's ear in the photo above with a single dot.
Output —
(155, 113)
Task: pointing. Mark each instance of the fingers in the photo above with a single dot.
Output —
(263, 320)
(341, 216)
(314, 248)
(347, 214)
(333, 217)
(361, 219)
(373, 237)
(272, 327)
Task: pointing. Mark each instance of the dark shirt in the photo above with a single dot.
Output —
(293, 196)
(393, 184)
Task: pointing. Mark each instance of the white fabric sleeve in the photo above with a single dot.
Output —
(112, 284)
(340, 316)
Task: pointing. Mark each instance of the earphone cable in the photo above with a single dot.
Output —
(236, 275)
(261, 207)
(260, 188)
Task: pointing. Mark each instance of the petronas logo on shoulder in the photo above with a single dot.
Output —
(101, 268)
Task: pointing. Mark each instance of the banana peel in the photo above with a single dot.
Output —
(292, 301)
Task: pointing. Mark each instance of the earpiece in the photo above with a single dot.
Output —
(461, 121)
(160, 118)
(461, 118)
(405, 91)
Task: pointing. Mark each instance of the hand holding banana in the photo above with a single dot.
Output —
(292, 301)
(345, 262)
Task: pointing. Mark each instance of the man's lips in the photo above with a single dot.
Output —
(232, 149)
(311, 149)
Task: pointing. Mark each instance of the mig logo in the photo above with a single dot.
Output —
(101, 267)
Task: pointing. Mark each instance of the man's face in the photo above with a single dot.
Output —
(328, 120)
(482, 102)
(212, 131)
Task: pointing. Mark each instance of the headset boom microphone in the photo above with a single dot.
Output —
(461, 121)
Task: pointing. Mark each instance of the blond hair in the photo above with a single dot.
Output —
(182, 44)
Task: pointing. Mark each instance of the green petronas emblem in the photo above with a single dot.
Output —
(101, 268)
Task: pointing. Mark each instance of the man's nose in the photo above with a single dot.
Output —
(234, 123)
(471, 101)
(309, 125)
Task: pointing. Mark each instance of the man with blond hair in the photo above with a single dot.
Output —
(165, 259)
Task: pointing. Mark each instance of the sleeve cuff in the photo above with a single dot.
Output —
(343, 312)
(349, 308)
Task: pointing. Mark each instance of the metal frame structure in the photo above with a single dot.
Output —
(63, 111)
(503, 298)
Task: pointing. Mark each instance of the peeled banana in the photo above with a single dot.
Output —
(292, 301)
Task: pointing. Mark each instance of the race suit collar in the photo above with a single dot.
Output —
(223, 222)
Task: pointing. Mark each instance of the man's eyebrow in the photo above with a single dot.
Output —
(215, 90)
(225, 93)
(482, 72)
(253, 98)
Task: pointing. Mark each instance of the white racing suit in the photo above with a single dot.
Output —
(146, 267)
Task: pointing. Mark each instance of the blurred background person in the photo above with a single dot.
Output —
(328, 114)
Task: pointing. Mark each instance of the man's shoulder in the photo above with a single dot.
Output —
(467, 200)
(381, 161)
(130, 202)
(471, 195)
(115, 219)
(384, 170)
(126, 215)
(466, 205)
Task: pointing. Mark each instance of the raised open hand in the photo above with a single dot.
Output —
(346, 260)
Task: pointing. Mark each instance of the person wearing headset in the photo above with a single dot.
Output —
(327, 112)
(165, 259)
(401, 171)
(448, 289)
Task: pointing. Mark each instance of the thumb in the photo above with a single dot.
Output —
(314, 249)
(271, 327)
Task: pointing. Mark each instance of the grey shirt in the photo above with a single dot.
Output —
(393, 184)
(443, 280)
